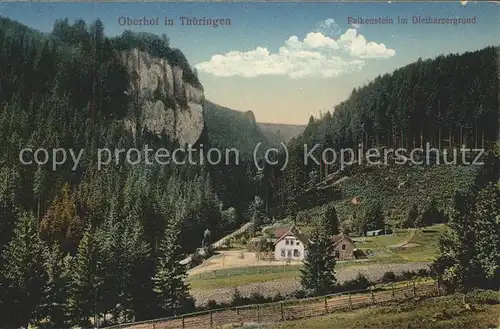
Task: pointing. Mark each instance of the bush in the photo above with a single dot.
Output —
(407, 275)
(358, 254)
(423, 273)
(212, 304)
(489, 297)
(361, 282)
(388, 277)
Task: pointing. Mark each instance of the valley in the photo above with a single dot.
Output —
(86, 245)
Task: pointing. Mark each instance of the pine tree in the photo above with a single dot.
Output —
(411, 217)
(137, 268)
(169, 286)
(430, 215)
(9, 183)
(56, 292)
(23, 274)
(85, 283)
(61, 223)
(330, 221)
(109, 266)
(374, 218)
(487, 230)
(318, 272)
(456, 266)
(256, 214)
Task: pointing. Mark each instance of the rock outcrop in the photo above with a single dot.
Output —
(167, 102)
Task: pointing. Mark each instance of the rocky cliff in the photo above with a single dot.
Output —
(167, 102)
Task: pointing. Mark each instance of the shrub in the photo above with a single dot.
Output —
(361, 282)
(238, 300)
(490, 297)
(388, 277)
(423, 272)
(407, 275)
(212, 304)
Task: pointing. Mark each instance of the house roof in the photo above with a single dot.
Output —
(341, 237)
(293, 231)
(279, 231)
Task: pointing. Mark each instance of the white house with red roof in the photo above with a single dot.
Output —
(292, 245)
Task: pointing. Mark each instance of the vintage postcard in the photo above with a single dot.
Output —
(249, 165)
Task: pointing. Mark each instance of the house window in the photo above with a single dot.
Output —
(337, 254)
(296, 253)
(298, 243)
(289, 253)
(282, 252)
(343, 247)
(287, 242)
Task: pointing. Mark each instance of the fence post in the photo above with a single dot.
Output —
(326, 304)
(350, 302)
(392, 289)
(414, 289)
(373, 296)
(183, 324)
(258, 314)
(211, 319)
(282, 313)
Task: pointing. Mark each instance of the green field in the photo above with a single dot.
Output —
(421, 244)
(442, 312)
(234, 277)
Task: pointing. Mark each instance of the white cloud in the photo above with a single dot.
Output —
(357, 46)
(316, 55)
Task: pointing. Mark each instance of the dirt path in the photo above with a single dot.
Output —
(220, 242)
(407, 243)
(233, 259)
(290, 285)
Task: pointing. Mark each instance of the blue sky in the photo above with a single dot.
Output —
(313, 71)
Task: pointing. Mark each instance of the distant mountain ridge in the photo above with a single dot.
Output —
(280, 132)
(232, 128)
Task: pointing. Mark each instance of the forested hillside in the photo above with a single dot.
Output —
(228, 129)
(86, 242)
(448, 101)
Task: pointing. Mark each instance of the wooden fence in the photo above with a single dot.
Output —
(289, 309)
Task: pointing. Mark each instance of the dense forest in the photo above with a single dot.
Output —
(447, 102)
(82, 243)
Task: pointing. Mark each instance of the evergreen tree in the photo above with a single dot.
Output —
(318, 272)
(56, 292)
(85, 282)
(456, 265)
(137, 297)
(256, 214)
(330, 221)
(487, 230)
(411, 217)
(169, 285)
(373, 218)
(23, 275)
(430, 215)
(9, 183)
